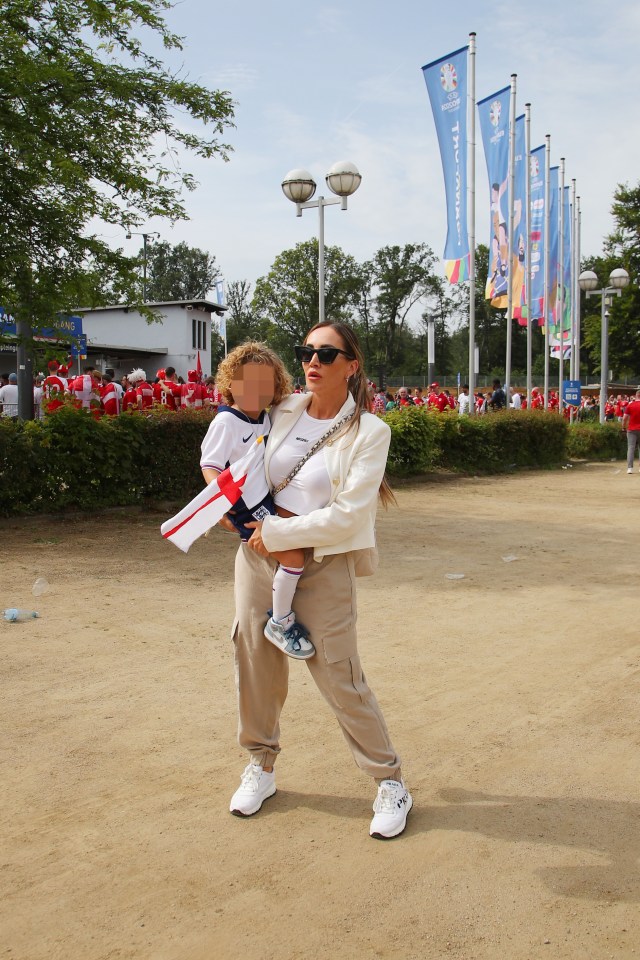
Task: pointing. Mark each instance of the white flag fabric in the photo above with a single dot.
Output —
(211, 504)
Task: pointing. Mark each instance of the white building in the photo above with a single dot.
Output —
(119, 338)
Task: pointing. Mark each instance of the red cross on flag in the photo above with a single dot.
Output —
(211, 504)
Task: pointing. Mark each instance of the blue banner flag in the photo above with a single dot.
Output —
(537, 232)
(566, 271)
(554, 229)
(446, 81)
(520, 221)
(493, 113)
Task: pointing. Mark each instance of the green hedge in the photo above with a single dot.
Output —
(72, 460)
(596, 441)
(489, 444)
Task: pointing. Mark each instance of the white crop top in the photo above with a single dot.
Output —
(310, 489)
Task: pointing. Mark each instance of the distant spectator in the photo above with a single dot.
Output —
(9, 397)
(166, 389)
(144, 391)
(497, 400)
(463, 400)
(516, 399)
(630, 423)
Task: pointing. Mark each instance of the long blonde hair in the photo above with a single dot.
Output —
(358, 388)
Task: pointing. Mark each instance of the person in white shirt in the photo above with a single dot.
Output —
(463, 399)
(516, 399)
(338, 534)
(9, 397)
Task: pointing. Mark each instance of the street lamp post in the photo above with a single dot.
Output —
(588, 280)
(145, 237)
(343, 179)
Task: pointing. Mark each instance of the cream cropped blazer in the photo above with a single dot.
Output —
(356, 463)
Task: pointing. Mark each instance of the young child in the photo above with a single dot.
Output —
(250, 379)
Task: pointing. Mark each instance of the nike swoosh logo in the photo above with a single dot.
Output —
(244, 439)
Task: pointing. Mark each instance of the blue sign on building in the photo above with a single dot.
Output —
(572, 392)
(66, 328)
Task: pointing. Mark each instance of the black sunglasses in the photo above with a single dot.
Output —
(326, 355)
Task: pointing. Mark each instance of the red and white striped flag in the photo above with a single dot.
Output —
(211, 504)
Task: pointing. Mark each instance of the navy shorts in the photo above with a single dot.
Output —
(241, 514)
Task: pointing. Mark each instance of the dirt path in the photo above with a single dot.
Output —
(512, 695)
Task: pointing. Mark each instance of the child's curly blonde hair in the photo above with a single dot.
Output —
(253, 352)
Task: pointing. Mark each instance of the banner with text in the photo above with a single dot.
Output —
(554, 229)
(537, 232)
(446, 81)
(493, 114)
(520, 222)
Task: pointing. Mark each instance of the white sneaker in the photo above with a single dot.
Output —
(630, 470)
(256, 785)
(391, 808)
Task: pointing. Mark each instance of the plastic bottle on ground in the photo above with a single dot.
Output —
(14, 615)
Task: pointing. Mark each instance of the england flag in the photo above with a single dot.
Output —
(245, 478)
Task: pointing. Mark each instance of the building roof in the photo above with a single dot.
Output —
(205, 305)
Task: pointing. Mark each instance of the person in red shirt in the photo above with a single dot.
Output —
(129, 399)
(109, 397)
(144, 391)
(537, 400)
(402, 397)
(55, 387)
(193, 392)
(553, 400)
(631, 423)
(86, 389)
(166, 390)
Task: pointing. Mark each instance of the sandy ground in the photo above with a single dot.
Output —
(512, 695)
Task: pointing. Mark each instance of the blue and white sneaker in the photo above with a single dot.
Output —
(290, 637)
(256, 786)
(391, 808)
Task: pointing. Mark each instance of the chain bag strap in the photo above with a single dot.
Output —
(314, 449)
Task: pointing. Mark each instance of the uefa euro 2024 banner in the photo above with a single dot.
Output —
(520, 222)
(493, 113)
(446, 81)
(554, 227)
(537, 232)
(566, 272)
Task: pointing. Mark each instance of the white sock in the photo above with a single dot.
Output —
(285, 582)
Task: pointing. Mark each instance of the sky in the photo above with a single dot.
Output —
(318, 83)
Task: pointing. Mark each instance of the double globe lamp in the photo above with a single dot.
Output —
(343, 179)
(618, 280)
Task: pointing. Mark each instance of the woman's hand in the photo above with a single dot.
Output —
(255, 541)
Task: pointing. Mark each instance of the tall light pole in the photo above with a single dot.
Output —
(343, 179)
(145, 238)
(588, 280)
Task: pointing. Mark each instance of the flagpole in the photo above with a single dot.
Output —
(512, 193)
(471, 160)
(561, 287)
(578, 216)
(573, 279)
(547, 243)
(527, 272)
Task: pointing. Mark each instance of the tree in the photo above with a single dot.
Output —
(89, 138)
(287, 298)
(622, 248)
(179, 273)
(400, 276)
(242, 321)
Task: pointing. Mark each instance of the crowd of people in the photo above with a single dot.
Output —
(104, 395)
(443, 401)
